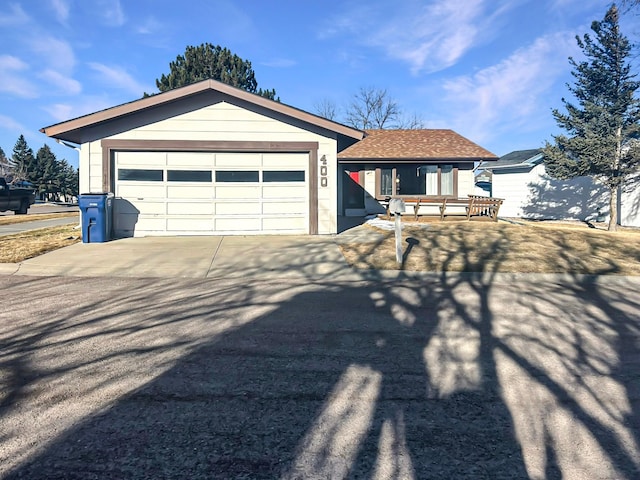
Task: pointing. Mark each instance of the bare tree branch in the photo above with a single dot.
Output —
(326, 108)
(372, 108)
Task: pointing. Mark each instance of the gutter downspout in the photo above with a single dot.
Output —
(77, 149)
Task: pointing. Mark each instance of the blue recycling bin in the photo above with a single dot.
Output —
(96, 211)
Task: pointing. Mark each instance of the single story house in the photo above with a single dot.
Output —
(521, 180)
(209, 158)
(407, 163)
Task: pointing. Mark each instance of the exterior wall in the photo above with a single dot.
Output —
(225, 122)
(371, 205)
(533, 194)
(629, 208)
(512, 187)
(466, 183)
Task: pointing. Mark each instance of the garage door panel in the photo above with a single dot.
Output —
(193, 159)
(140, 190)
(151, 224)
(237, 192)
(131, 159)
(189, 191)
(195, 224)
(238, 224)
(275, 208)
(298, 161)
(190, 208)
(204, 192)
(285, 191)
(298, 224)
(149, 208)
(237, 208)
(238, 160)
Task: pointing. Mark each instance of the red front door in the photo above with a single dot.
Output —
(354, 193)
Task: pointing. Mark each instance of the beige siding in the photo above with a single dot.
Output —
(226, 122)
(466, 185)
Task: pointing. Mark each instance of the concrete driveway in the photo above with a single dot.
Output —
(194, 257)
(315, 377)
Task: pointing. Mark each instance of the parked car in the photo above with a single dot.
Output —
(18, 199)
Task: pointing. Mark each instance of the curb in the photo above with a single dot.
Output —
(9, 268)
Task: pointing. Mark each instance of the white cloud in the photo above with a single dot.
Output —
(513, 93)
(119, 78)
(112, 13)
(54, 52)
(149, 26)
(9, 62)
(61, 112)
(66, 84)
(12, 80)
(16, 16)
(435, 38)
(279, 63)
(429, 37)
(61, 10)
(8, 123)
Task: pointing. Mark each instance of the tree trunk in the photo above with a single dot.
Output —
(613, 210)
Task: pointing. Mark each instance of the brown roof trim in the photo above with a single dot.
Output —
(58, 130)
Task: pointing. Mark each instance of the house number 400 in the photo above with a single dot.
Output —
(324, 182)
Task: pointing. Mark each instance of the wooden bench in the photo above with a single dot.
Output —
(483, 207)
(474, 205)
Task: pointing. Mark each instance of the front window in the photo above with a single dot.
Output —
(416, 179)
(386, 182)
(446, 180)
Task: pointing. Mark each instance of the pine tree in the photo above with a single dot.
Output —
(6, 165)
(67, 179)
(23, 159)
(46, 172)
(604, 122)
(208, 61)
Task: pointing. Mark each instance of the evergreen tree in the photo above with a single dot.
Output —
(46, 175)
(604, 122)
(23, 159)
(6, 165)
(67, 179)
(208, 61)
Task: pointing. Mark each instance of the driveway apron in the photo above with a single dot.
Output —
(192, 257)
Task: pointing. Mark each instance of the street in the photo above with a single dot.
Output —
(439, 377)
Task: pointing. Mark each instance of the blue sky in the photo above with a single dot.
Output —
(488, 69)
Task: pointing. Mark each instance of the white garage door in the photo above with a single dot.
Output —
(199, 193)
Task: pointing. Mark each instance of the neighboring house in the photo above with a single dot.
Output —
(210, 158)
(408, 163)
(528, 192)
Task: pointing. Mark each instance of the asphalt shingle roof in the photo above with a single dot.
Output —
(415, 144)
(516, 158)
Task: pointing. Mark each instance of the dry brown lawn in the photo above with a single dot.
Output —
(21, 246)
(11, 219)
(545, 247)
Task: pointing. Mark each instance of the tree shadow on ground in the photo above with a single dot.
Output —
(465, 376)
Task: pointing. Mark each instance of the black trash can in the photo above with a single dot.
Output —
(96, 211)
